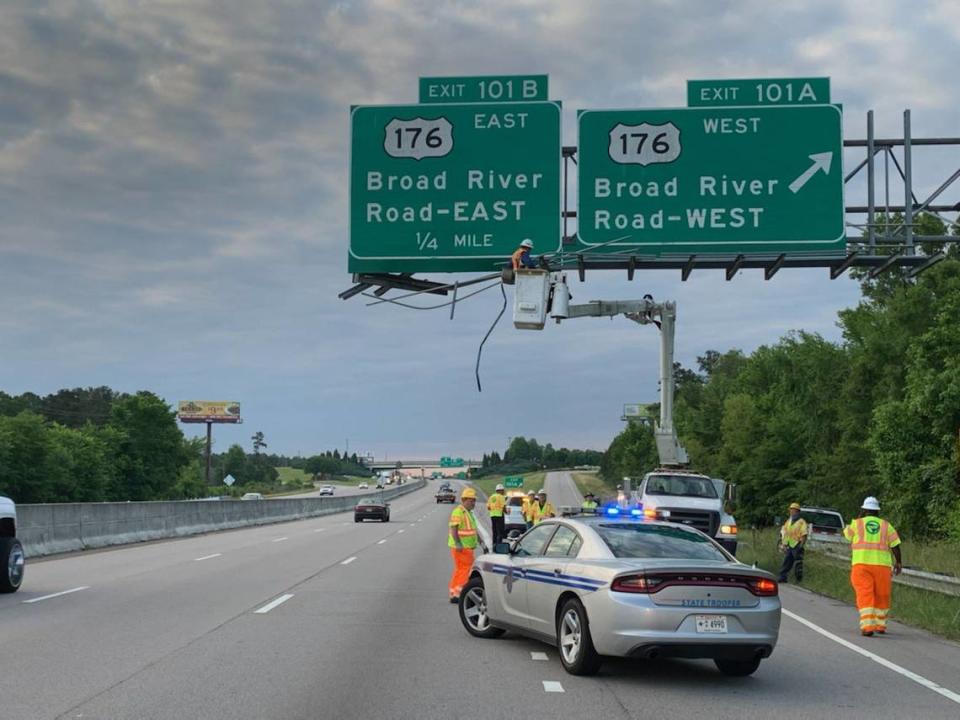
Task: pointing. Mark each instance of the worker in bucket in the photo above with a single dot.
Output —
(521, 257)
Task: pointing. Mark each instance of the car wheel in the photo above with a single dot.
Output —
(12, 561)
(356, 519)
(386, 518)
(473, 611)
(577, 653)
(738, 668)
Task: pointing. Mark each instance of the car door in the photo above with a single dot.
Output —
(513, 587)
(546, 579)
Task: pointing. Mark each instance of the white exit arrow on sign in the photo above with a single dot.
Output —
(821, 161)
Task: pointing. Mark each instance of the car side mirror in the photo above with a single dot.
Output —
(502, 548)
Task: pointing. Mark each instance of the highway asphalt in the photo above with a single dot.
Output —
(325, 618)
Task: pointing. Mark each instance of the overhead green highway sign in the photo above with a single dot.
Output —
(711, 180)
(483, 88)
(758, 91)
(448, 188)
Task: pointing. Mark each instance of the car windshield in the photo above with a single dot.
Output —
(822, 519)
(642, 540)
(681, 485)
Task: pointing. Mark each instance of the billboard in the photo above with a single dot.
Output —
(209, 411)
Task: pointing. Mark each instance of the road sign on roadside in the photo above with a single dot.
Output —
(483, 89)
(515, 481)
(448, 188)
(758, 91)
(711, 180)
(229, 480)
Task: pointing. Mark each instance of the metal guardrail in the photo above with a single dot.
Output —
(935, 582)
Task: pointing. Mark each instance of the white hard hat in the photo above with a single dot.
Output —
(527, 243)
(500, 486)
(542, 492)
(871, 503)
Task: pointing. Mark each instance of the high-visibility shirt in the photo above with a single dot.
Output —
(793, 532)
(542, 512)
(589, 505)
(521, 259)
(870, 541)
(466, 525)
(528, 505)
(495, 505)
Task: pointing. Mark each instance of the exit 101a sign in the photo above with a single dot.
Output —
(449, 188)
(711, 180)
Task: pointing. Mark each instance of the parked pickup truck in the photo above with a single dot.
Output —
(11, 551)
(446, 495)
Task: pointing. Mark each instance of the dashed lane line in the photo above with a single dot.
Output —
(552, 686)
(56, 594)
(207, 557)
(538, 656)
(279, 539)
(319, 529)
(381, 542)
(349, 560)
(919, 679)
(274, 603)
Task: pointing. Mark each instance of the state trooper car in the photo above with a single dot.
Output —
(618, 584)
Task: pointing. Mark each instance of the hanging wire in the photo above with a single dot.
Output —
(434, 307)
(480, 349)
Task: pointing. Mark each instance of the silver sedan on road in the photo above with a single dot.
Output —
(622, 586)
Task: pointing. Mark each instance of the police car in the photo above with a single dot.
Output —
(618, 584)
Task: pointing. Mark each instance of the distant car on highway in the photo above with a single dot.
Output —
(372, 509)
(363, 486)
(252, 496)
(609, 586)
(446, 495)
(326, 489)
(12, 558)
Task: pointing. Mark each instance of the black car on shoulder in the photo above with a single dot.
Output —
(446, 495)
(372, 509)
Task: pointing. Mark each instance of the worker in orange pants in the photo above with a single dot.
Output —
(462, 541)
(872, 569)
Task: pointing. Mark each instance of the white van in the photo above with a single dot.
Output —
(12, 559)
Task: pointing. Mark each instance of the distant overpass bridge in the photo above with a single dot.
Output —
(407, 464)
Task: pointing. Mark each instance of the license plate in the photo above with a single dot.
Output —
(711, 623)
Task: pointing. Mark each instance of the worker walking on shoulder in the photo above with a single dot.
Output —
(793, 536)
(462, 541)
(495, 505)
(589, 504)
(543, 509)
(872, 541)
(521, 257)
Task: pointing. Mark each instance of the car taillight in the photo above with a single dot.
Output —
(636, 584)
(763, 587)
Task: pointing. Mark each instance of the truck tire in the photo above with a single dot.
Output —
(11, 565)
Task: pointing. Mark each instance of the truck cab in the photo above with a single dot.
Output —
(689, 498)
(11, 551)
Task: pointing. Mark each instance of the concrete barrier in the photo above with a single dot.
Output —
(67, 527)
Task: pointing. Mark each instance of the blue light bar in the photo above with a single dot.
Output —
(636, 512)
(613, 511)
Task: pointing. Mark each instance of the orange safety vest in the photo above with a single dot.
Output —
(515, 258)
(871, 540)
(495, 505)
(466, 525)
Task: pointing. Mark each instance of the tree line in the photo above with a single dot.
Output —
(824, 423)
(523, 455)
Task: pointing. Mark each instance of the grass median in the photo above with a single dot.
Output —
(933, 611)
(531, 481)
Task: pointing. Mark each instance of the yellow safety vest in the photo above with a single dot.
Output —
(466, 525)
(495, 505)
(543, 512)
(528, 506)
(871, 540)
(793, 532)
(589, 505)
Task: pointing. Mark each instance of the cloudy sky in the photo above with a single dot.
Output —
(173, 202)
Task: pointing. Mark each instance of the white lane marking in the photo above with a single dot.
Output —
(399, 531)
(281, 539)
(381, 542)
(538, 656)
(57, 594)
(319, 529)
(919, 679)
(271, 605)
(207, 557)
(552, 686)
(349, 560)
